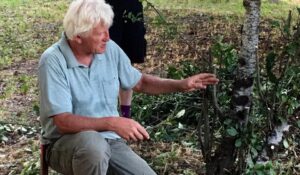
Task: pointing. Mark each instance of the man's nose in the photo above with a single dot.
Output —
(106, 35)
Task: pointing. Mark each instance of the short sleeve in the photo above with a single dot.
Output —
(128, 75)
(55, 95)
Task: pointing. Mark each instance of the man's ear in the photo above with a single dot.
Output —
(78, 39)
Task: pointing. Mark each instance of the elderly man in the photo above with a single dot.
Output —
(79, 81)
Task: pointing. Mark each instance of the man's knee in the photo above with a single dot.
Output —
(92, 147)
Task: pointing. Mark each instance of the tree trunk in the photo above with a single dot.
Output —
(225, 156)
(243, 84)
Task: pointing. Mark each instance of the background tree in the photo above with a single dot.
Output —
(225, 156)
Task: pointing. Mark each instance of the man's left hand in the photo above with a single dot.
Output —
(199, 81)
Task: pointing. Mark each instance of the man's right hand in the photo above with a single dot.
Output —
(129, 129)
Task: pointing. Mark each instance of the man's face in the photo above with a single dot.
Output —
(95, 42)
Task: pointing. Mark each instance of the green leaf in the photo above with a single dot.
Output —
(292, 49)
(249, 161)
(187, 143)
(285, 144)
(180, 113)
(8, 128)
(272, 172)
(180, 126)
(275, 24)
(227, 121)
(259, 172)
(232, 131)
(238, 143)
(254, 153)
(36, 109)
(157, 134)
(4, 138)
(268, 165)
(298, 123)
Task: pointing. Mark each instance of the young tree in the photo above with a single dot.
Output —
(226, 154)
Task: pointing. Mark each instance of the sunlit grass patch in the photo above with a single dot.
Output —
(14, 3)
(229, 7)
(27, 28)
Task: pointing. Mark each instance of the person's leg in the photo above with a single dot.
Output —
(126, 162)
(84, 153)
(125, 102)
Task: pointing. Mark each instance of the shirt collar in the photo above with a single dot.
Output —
(67, 52)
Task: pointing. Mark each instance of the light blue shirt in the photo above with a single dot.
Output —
(68, 86)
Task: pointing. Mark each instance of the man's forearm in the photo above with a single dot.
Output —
(126, 128)
(154, 85)
(68, 123)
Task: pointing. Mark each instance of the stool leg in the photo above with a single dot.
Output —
(43, 163)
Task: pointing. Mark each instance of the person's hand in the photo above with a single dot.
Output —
(199, 81)
(129, 129)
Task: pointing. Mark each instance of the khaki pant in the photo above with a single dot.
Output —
(87, 153)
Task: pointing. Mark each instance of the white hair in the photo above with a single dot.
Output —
(83, 15)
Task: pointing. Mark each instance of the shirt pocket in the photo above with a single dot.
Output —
(111, 90)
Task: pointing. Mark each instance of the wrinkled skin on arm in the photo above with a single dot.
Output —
(155, 85)
(128, 129)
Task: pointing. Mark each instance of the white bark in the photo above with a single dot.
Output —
(243, 86)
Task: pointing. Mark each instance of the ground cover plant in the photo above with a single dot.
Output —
(189, 37)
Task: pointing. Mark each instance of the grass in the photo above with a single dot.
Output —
(14, 3)
(25, 27)
(218, 7)
(230, 7)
